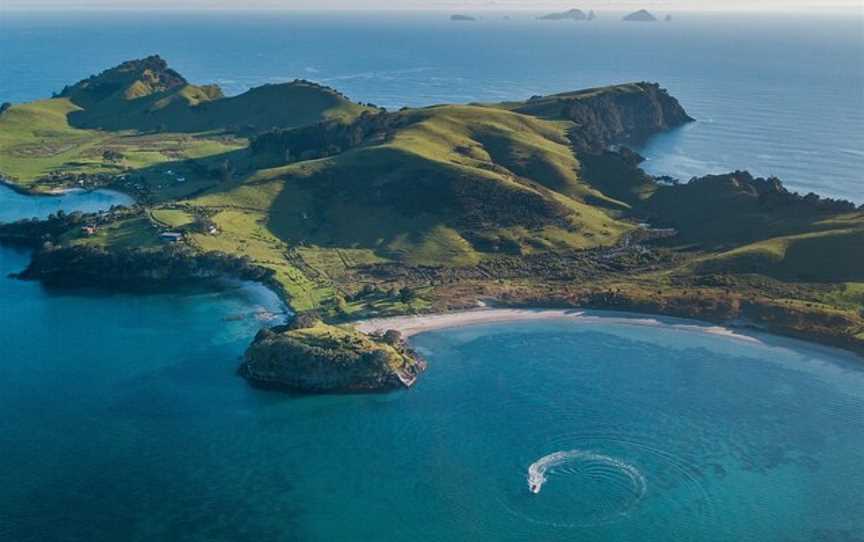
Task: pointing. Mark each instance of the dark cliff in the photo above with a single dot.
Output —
(623, 114)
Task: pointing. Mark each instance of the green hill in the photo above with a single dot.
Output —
(141, 114)
(449, 182)
(148, 95)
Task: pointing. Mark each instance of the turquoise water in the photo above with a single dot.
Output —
(779, 94)
(123, 418)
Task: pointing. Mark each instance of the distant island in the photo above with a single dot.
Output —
(569, 15)
(350, 212)
(643, 16)
(462, 18)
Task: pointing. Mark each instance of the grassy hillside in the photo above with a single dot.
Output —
(140, 115)
(833, 255)
(38, 143)
(450, 184)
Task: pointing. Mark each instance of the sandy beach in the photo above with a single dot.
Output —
(412, 325)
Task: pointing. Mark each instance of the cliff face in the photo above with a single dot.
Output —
(632, 117)
(325, 359)
(611, 115)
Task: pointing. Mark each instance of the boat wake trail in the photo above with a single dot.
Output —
(586, 463)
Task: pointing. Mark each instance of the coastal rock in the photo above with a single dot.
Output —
(569, 15)
(614, 115)
(641, 16)
(322, 358)
(462, 18)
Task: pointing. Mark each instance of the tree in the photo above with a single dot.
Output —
(407, 295)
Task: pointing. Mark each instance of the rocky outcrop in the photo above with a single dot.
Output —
(641, 16)
(329, 359)
(623, 114)
(569, 15)
(623, 117)
(131, 79)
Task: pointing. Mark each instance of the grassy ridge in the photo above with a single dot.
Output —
(137, 116)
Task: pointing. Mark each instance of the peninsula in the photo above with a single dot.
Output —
(352, 212)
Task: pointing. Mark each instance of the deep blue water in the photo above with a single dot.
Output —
(123, 418)
(777, 94)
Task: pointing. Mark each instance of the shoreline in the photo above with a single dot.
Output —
(413, 325)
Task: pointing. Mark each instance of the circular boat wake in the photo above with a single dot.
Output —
(537, 471)
(589, 488)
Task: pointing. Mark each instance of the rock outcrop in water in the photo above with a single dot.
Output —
(569, 15)
(462, 18)
(641, 16)
(317, 358)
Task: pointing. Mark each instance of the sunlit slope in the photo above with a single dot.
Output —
(452, 183)
(141, 114)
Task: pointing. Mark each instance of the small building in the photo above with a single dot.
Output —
(88, 230)
(171, 236)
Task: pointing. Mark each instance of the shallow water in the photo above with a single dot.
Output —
(779, 94)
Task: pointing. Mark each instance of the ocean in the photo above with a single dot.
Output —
(124, 418)
(777, 94)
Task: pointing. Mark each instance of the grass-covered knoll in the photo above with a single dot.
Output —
(147, 95)
(324, 358)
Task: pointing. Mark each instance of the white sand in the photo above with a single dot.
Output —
(412, 325)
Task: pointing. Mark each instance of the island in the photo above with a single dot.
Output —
(570, 15)
(310, 356)
(352, 212)
(641, 16)
(462, 18)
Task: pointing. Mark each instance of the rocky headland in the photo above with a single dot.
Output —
(310, 356)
